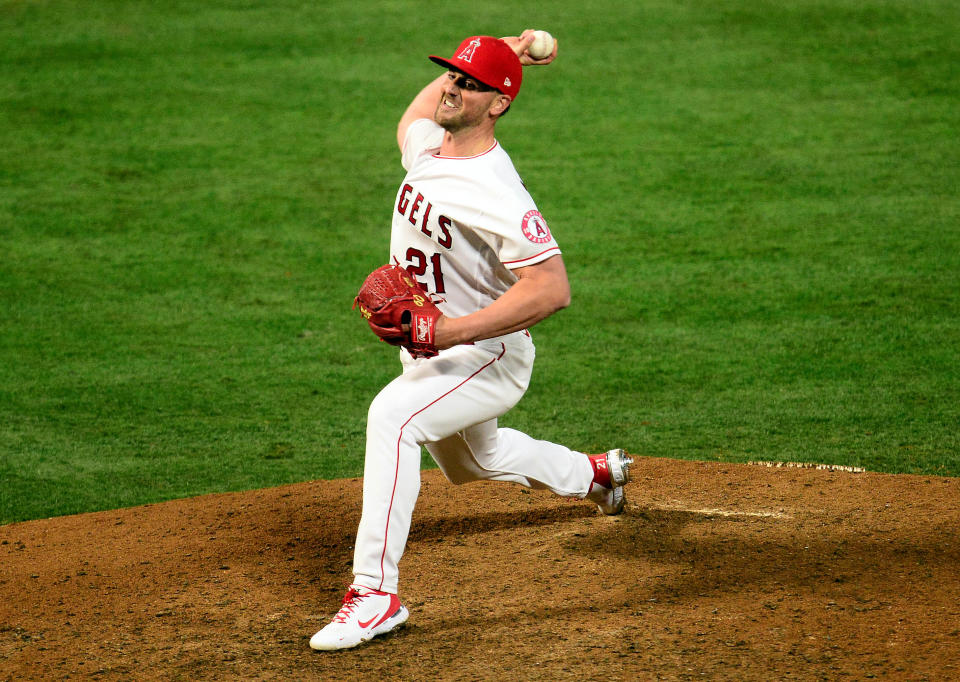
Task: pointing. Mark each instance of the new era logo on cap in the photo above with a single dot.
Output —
(490, 60)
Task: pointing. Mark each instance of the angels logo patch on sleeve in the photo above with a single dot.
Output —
(535, 228)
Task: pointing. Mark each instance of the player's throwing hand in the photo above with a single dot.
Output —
(521, 45)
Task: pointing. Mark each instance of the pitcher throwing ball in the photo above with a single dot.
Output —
(478, 266)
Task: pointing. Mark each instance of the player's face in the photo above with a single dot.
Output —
(465, 102)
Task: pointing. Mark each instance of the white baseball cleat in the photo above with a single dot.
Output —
(365, 614)
(611, 471)
(610, 501)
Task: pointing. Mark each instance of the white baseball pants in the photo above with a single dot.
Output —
(450, 405)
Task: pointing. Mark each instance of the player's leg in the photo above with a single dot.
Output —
(566, 472)
(430, 401)
(457, 456)
(486, 452)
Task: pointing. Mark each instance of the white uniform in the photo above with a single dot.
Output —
(460, 225)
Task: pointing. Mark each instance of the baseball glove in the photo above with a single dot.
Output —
(399, 310)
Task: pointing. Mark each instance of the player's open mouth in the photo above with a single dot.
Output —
(449, 104)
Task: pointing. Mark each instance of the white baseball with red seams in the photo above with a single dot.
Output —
(460, 225)
(542, 45)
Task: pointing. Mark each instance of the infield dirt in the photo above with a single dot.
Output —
(715, 571)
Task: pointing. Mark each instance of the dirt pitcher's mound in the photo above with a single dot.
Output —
(716, 571)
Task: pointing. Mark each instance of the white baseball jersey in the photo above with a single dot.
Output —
(460, 225)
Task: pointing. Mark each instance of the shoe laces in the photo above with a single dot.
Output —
(350, 600)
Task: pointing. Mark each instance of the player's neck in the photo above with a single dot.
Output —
(467, 142)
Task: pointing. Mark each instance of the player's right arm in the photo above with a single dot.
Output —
(423, 106)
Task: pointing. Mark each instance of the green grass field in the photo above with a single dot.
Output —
(758, 207)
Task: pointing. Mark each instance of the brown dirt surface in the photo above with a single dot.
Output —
(715, 571)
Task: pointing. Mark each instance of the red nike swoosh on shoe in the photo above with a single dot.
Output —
(392, 609)
(367, 624)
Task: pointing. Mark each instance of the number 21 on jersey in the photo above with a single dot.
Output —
(418, 263)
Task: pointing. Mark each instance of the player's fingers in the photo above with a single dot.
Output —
(553, 55)
(519, 44)
(527, 60)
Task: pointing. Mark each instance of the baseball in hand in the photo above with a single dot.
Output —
(542, 45)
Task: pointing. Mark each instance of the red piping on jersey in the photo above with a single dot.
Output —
(396, 474)
(524, 260)
(464, 158)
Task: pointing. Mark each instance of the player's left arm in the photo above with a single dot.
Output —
(540, 291)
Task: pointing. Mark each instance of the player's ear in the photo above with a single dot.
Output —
(500, 105)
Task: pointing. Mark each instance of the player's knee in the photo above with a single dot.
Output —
(383, 410)
(387, 415)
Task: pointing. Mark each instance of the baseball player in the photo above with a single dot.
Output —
(475, 266)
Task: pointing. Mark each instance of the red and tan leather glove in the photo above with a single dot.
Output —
(399, 310)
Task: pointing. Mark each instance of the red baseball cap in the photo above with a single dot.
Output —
(490, 60)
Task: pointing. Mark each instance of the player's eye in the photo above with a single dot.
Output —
(465, 83)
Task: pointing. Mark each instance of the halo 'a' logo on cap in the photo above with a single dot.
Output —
(507, 83)
(467, 54)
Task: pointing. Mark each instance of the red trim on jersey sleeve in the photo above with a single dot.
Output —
(532, 260)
